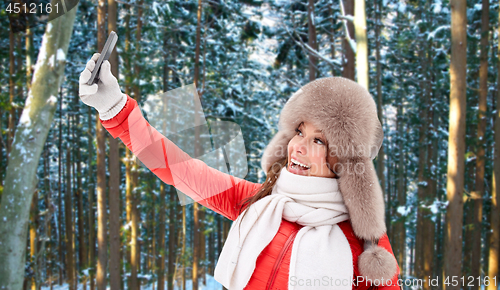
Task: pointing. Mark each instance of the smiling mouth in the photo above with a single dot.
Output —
(297, 165)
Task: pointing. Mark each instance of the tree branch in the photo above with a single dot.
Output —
(352, 43)
(309, 49)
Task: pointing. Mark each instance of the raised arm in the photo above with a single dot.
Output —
(212, 188)
(122, 117)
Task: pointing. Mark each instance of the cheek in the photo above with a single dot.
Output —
(290, 145)
(319, 157)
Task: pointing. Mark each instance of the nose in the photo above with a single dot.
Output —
(300, 146)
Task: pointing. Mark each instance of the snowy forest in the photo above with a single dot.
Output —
(79, 211)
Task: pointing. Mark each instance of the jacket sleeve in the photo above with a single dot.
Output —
(211, 188)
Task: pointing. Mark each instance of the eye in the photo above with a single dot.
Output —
(298, 131)
(320, 141)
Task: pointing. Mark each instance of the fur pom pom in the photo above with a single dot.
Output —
(376, 263)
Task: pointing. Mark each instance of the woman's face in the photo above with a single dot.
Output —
(308, 147)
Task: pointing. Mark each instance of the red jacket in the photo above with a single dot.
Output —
(221, 193)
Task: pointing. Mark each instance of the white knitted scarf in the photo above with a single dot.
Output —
(321, 256)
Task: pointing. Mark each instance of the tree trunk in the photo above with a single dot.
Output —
(152, 234)
(456, 140)
(433, 150)
(348, 66)
(135, 246)
(331, 36)
(102, 256)
(312, 40)
(439, 270)
(33, 237)
(161, 238)
(361, 43)
(424, 221)
(184, 240)
(128, 161)
(68, 218)
(172, 233)
(211, 253)
(495, 191)
(59, 200)
(162, 211)
(434, 185)
(428, 224)
(114, 177)
(225, 232)
(219, 233)
(469, 174)
(480, 155)
(389, 195)
(181, 215)
(19, 64)
(50, 207)
(135, 199)
(196, 224)
(73, 194)
(131, 220)
(381, 154)
(82, 249)
(102, 238)
(380, 157)
(399, 227)
(12, 112)
(31, 133)
(91, 217)
(29, 57)
(2, 146)
(196, 245)
(197, 48)
(468, 210)
(34, 220)
(203, 269)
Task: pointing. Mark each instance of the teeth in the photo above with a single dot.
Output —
(298, 163)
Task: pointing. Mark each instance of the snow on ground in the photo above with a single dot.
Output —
(211, 285)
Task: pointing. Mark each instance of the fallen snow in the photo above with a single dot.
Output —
(211, 285)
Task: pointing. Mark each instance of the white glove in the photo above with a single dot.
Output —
(105, 96)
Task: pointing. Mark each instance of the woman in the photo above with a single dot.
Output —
(317, 222)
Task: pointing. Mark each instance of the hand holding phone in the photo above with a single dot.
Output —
(105, 53)
(103, 93)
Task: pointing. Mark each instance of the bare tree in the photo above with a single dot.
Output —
(12, 111)
(102, 216)
(68, 218)
(361, 43)
(27, 146)
(114, 177)
(196, 224)
(348, 68)
(495, 191)
(480, 155)
(456, 141)
(312, 40)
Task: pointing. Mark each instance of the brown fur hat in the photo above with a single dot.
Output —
(346, 113)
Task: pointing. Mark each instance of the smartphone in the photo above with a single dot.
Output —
(105, 53)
